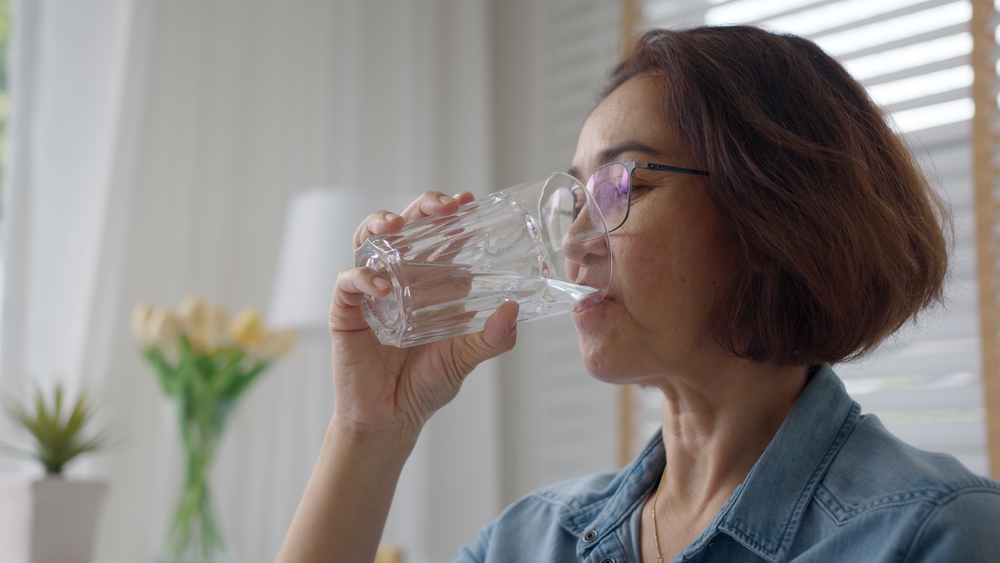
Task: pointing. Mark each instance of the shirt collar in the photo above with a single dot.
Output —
(631, 485)
(765, 511)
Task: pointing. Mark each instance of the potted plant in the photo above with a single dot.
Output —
(52, 518)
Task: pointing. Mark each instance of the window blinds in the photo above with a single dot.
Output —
(913, 57)
(577, 423)
(559, 422)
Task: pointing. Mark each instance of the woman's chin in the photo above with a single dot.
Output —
(602, 365)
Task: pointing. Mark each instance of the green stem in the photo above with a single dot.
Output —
(205, 384)
(194, 529)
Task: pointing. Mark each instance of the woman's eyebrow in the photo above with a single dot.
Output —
(610, 154)
(613, 152)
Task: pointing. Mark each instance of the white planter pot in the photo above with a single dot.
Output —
(48, 520)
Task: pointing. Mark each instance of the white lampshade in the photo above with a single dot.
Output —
(317, 245)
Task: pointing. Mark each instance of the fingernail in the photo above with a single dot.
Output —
(381, 283)
(445, 199)
(513, 325)
(390, 216)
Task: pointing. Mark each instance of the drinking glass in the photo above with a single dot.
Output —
(542, 244)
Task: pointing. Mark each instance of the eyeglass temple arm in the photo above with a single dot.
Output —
(665, 168)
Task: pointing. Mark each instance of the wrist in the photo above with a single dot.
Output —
(350, 434)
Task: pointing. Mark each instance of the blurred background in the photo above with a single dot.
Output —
(153, 148)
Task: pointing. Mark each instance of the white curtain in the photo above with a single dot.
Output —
(154, 146)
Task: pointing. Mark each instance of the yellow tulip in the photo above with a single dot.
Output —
(211, 330)
(192, 311)
(247, 328)
(163, 328)
(217, 327)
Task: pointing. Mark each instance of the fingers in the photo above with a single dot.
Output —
(464, 197)
(428, 204)
(354, 283)
(378, 223)
(352, 286)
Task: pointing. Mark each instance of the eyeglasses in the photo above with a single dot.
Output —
(610, 188)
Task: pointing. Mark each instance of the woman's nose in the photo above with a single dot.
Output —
(584, 244)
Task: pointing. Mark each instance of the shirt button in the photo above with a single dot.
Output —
(608, 560)
(590, 536)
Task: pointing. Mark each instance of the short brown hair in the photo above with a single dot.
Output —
(841, 235)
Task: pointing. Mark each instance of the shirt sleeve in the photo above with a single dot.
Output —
(476, 553)
(966, 528)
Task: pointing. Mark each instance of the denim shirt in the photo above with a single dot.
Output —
(832, 485)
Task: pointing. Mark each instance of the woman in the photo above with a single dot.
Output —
(797, 233)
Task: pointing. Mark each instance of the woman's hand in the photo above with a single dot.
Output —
(383, 396)
(381, 388)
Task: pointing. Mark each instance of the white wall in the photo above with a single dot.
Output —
(159, 144)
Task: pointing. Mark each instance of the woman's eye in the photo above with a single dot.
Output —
(578, 207)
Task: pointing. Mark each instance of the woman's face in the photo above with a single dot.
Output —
(672, 256)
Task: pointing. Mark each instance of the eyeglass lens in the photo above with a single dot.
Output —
(609, 188)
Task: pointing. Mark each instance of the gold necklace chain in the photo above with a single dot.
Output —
(652, 512)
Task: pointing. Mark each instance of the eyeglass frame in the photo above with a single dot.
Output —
(630, 167)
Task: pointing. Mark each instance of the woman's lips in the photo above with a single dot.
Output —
(590, 302)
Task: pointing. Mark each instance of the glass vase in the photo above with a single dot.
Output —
(194, 533)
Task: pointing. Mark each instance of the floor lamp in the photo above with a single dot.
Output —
(317, 244)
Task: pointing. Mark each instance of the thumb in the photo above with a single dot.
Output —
(500, 331)
(498, 335)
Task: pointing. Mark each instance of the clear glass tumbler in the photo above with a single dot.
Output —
(542, 244)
